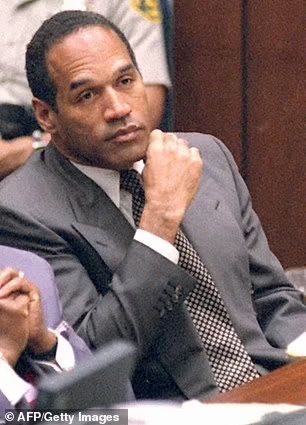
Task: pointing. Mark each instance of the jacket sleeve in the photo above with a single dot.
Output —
(280, 310)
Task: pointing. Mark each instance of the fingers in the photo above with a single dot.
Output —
(15, 303)
(14, 281)
(172, 143)
(171, 164)
(168, 143)
(195, 155)
(22, 304)
(13, 285)
(6, 275)
(158, 137)
(170, 147)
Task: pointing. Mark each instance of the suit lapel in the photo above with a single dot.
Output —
(200, 222)
(97, 219)
(110, 245)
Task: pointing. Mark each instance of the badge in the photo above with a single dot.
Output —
(149, 9)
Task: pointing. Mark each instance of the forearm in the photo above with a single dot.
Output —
(13, 154)
(134, 308)
(61, 356)
(43, 343)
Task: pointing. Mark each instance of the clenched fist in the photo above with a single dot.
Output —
(171, 177)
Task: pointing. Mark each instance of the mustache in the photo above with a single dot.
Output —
(123, 126)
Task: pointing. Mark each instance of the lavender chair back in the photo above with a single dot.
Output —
(38, 271)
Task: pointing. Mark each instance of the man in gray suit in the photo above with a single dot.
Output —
(195, 286)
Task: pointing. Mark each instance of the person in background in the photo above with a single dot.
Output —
(141, 22)
(27, 347)
(13, 155)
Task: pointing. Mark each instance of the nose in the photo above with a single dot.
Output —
(117, 106)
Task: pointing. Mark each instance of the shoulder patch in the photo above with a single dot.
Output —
(149, 9)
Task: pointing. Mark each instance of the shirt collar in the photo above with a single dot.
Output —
(107, 180)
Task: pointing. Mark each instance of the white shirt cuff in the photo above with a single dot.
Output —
(64, 356)
(163, 247)
(12, 386)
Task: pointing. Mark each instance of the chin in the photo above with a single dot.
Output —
(117, 165)
(124, 165)
(128, 161)
(120, 159)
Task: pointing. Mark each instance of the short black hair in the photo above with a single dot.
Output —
(51, 32)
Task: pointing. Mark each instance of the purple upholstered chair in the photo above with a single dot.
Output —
(38, 271)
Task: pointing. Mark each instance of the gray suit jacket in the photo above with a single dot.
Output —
(112, 286)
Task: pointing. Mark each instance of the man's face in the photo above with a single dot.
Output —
(102, 116)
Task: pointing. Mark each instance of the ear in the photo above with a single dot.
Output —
(45, 115)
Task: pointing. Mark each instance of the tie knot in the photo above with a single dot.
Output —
(131, 181)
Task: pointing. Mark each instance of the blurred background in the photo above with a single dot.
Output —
(239, 74)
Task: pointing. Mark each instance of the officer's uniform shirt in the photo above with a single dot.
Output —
(139, 20)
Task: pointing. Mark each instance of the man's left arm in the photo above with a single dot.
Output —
(280, 310)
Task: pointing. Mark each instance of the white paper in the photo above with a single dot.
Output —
(194, 412)
(297, 348)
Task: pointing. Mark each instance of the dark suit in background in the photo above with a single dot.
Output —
(112, 286)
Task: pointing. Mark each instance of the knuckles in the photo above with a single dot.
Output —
(168, 152)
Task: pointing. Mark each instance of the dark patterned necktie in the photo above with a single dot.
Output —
(230, 362)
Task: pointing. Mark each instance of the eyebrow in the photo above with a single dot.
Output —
(126, 68)
(79, 83)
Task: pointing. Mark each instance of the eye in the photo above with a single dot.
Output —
(126, 81)
(86, 96)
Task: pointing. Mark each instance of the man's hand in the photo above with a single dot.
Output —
(171, 178)
(14, 325)
(40, 339)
